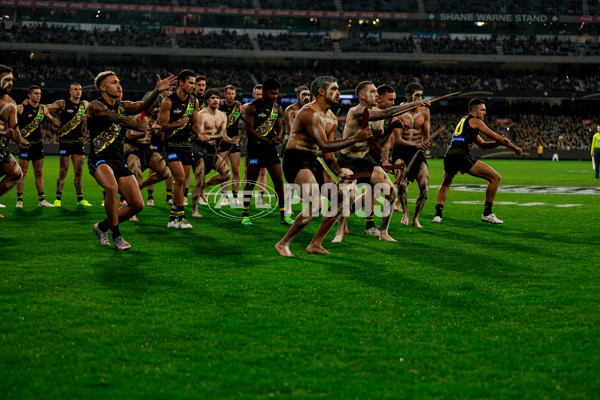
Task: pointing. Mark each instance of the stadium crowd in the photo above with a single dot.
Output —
(451, 79)
(213, 40)
(456, 46)
(230, 39)
(294, 42)
(550, 7)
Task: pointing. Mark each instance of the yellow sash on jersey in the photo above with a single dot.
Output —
(268, 125)
(104, 139)
(33, 125)
(74, 122)
(233, 117)
(188, 111)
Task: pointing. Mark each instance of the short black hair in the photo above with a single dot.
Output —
(412, 87)
(212, 92)
(185, 74)
(474, 103)
(32, 88)
(270, 84)
(385, 89)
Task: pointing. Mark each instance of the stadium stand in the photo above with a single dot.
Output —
(385, 6)
(294, 42)
(539, 47)
(317, 5)
(456, 46)
(372, 44)
(213, 40)
(550, 7)
(217, 3)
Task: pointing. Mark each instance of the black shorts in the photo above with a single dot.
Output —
(262, 155)
(181, 154)
(69, 149)
(224, 147)
(457, 160)
(34, 153)
(142, 151)
(361, 164)
(295, 160)
(406, 153)
(204, 151)
(118, 166)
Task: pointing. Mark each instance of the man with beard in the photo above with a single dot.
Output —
(9, 168)
(314, 131)
(178, 118)
(72, 115)
(229, 152)
(31, 114)
(213, 123)
(361, 158)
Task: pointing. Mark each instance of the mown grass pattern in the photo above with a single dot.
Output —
(456, 310)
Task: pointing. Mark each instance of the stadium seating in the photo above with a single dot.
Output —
(317, 5)
(456, 46)
(382, 6)
(213, 40)
(295, 42)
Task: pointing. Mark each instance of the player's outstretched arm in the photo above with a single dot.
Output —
(98, 109)
(150, 97)
(376, 115)
(314, 129)
(503, 141)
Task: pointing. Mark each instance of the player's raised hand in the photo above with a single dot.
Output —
(167, 83)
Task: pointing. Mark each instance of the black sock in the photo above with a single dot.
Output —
(115, 231)
(438, 210)
(104, 195)
(41, 196)
(234, 192)
(370, 222)
(19, 196)
(150, 194)
(282, 212)
(104, 226)
(246, 210)
(487, 208)
(260, 195)
(169, 194)
(58, 195)
(180, 213)
(79, 196)
(185, 192)
(173, 214)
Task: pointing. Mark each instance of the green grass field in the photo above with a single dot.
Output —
(456, 310)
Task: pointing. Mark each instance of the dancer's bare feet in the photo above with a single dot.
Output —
(314, 249)
(405, 218)
(283, 249)
(386, 237)
(416, 224)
